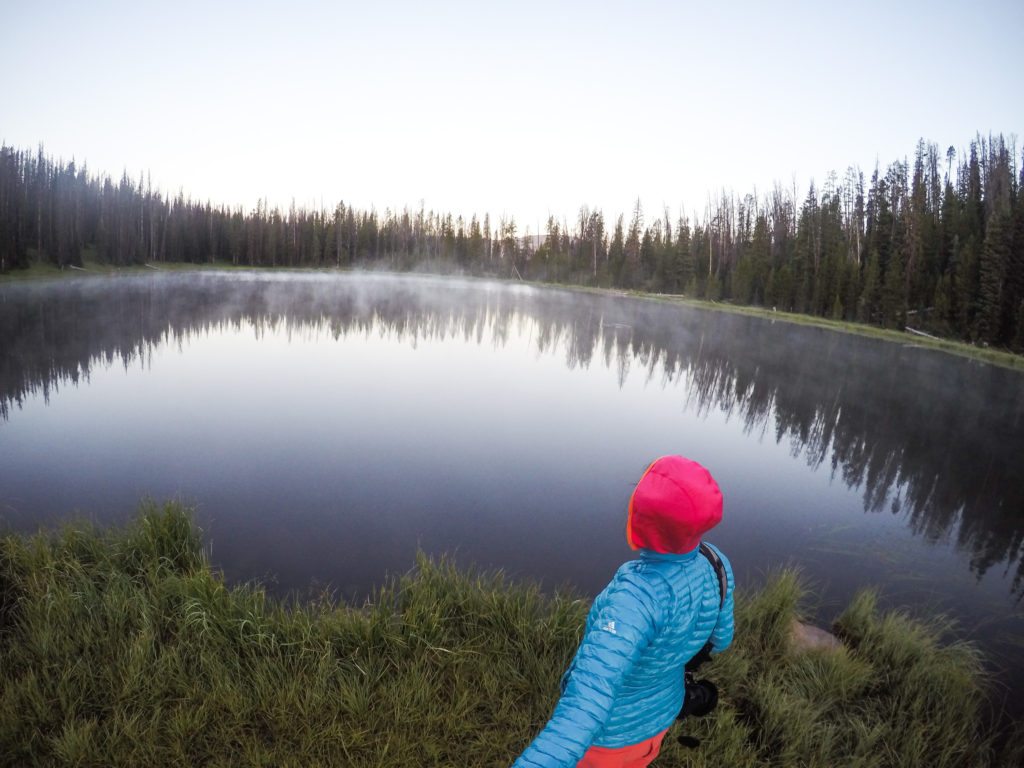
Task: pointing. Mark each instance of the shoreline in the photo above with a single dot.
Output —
(998, 357)
(122, 646)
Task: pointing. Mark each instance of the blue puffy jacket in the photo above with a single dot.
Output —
(625, 683)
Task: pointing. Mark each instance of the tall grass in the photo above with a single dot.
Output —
(122, 647)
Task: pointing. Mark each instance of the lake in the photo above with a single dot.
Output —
(328, 426)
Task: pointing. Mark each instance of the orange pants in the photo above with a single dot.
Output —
(633, 756)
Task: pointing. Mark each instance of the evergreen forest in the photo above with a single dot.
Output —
(935, 244)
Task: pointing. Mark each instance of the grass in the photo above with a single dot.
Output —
(122, 647)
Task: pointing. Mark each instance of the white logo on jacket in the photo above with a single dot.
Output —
(610, 627)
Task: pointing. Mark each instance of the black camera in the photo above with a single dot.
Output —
(701, 697)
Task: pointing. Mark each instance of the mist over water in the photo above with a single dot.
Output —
(328, 426)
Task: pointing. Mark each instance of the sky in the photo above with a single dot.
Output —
(518, 109)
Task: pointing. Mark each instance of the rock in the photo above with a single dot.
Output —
(804, 637)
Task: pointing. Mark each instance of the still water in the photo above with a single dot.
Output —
(326, 427)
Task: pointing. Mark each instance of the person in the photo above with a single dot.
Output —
(625, 685)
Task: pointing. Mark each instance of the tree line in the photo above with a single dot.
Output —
(936, 244)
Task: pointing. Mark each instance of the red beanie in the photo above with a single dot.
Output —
(675, 502)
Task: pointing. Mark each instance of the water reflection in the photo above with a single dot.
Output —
(931, 438)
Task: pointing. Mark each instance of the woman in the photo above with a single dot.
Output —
(625, 686)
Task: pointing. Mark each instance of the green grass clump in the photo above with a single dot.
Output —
(892, 695)
(122, 647)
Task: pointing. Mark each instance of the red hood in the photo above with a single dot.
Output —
(673, 505)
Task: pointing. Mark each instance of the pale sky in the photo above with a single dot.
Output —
(519, 108)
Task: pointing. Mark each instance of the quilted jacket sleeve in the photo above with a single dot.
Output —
(721, 637)
(628, 614)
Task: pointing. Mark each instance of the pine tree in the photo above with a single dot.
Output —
(1018, 336)
(617, 254)
(648, 257)
(806, 253)
(966, 288)
(894, 292)
(760, 260)
(995, 257)
(942, 309)
(870, 297)
(683, 265)
(13, 249)
(629, 274)
(743, 281)
(851, 288)
(917, 223)
(1013, 289)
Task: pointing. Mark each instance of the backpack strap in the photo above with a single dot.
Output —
(719, 566)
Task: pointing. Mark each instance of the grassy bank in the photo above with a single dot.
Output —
(121, 647)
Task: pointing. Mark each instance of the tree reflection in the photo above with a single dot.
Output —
(933, 438)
